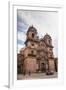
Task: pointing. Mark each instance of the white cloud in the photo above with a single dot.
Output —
(21, 36)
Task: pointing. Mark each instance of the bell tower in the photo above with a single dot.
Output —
(50, 56)
(31, 33)
(31, 44)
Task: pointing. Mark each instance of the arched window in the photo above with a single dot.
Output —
(32, 44)
(49, 41)
(32, 35)
(32, 52)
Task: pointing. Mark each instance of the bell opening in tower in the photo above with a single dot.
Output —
(33, 35)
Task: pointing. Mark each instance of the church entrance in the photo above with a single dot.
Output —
(43, 67)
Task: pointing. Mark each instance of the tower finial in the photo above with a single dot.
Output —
(32, 25)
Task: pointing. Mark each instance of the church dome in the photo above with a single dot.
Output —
(47, 36)
(32, 29)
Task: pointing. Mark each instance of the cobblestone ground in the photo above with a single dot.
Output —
(36, 76)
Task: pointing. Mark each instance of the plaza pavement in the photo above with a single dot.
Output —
(36, 76)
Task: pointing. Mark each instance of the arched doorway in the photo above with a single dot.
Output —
(43, 67)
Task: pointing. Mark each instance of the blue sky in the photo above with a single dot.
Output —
(44, 22)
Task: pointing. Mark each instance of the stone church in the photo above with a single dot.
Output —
(37, 55)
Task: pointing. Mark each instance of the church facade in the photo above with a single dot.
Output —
(37, 55)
